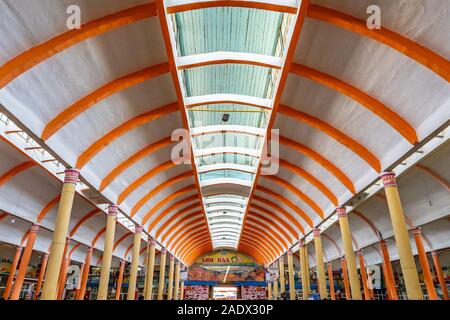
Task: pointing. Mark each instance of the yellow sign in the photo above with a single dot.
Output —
(221, 257)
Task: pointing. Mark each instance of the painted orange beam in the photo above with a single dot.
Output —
(199, 104)
(311, 179)
(334, 133)
(254, 231)
(288, 203)
(194, 241)
(257, 226)
(255, 220)
(143, 179)
(123, 129)
(413, 50)
(259, 258)
(263, 242)
(121, 239)
(174, 218)
(370, 103)
(49, 206)
(102, 93)
(111, 176)
(251, 248)
(15, 171)
(231, 3)
(268, 253)
(32, 57)
(163, 202)
(192, 225)
(192, 256)
(298, 193)
(269, 222)
(322, 161)
(196, 246)
(179, 223)
(83, 220)
(229, 61)
(275, 217)
(282, 211)
(188, 235)
(160, 187)
(171, 208)
(371, 225)
(97, 236)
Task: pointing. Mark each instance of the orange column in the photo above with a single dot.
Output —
(80, 275)
(440, 275)
(345, 276)
(85, 275)
(432, 294)
(389, 279)
(12, 273)
(63, 271)
(330, 279)
(387, 283)
(41, 276)
(364, 280)
(120, 279)
(24, 262)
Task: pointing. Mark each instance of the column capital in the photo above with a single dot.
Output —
(435, 253)
(316, 232)
(138, 229)
(360, 252)
(178, 263)
(389, 179)
(289, 252)
(34, 227)
(163, 251)
(90, 249)
(383, 242)
(153, 242)
(301, 243)
(171, 257)
(417, 231)
(113, 210)
(71, 175)
(341, 212)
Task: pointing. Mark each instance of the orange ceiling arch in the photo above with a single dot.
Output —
(194, 241)
(163, 202)
(113, 174)
(124, 128)
(15, 171)
(413, 50)
(192, 225)
(179, 223)
(173, 207)
(334, 133)
(267, 234)
(322, 161)
(32, 57)
(194, 247)
(269, 222)
(177, 215)
(297, 192)
(83, 220)
(165, 184)
(388, 115)
(261, 247)
(49, 206)
(121, 239)
(98, 235)
(288, 203)
(255, 220)
(102, 93)
(275, 217)
(263, 242)
(282, 211)
(311, 179)
(187, 233)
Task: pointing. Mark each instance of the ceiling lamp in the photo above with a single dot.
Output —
(225, 117)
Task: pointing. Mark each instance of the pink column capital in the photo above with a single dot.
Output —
(389, 179)
(138, 229)
(171, 258)
(316, 232)
(34, 228)
(163, 251)
(289, 252)
(71, 175)
(153, 242)
(113, 210)
(417, 231)
(341, 212)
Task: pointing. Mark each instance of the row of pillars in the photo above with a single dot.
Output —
(352, 282)
(54, 265)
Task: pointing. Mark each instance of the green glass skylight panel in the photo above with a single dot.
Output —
(220, 174)
(229, 139)
(228, 29)
(227, 158)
